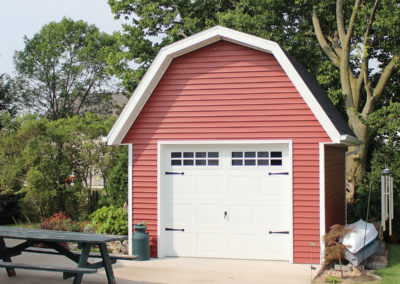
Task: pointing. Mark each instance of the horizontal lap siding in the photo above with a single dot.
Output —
(223, 92)
(335, 188)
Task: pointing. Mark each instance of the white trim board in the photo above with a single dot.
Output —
(130, 207)
(161, 181)
(196, 41)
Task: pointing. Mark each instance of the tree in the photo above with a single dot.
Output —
(87, 153)
(7, 104)
(359, 34)
(117, 188)
(154, 24)
(51, 162)
(62, 70)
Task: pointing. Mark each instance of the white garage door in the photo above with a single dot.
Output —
(227, 201)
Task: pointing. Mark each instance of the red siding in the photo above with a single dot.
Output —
(335, 187)
(226, 91)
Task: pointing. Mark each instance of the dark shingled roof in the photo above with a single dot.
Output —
(331, 111)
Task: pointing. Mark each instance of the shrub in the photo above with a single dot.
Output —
(61, 222)
(110, 220)
(334, 249)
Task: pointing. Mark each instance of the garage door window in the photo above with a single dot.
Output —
(259, 158)
(194, 158)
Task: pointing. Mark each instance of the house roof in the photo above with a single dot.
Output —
(308, 87)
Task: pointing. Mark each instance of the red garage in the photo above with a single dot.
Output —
(235, 151)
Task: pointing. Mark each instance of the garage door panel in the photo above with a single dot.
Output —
(212, 244)
(243, 244)
(242, 215)
(210, 214)
(273, 216)
(180, 185)
(210, 185)
(182, 213)
(274, 187)
(180, 243)
(242, 186)
(275, 246)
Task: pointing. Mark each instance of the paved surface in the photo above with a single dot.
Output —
(169, 270)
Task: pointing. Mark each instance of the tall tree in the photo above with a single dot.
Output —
(154, 24)
(7, 104)
(62, 69)
(360, 34)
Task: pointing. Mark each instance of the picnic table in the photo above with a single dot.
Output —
(54, 240)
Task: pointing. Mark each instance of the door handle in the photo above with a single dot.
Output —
(225, 214)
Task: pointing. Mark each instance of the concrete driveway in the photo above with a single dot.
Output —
(169, 270)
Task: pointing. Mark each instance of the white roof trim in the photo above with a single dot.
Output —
(168, 53)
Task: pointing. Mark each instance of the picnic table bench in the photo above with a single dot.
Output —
(52, 240)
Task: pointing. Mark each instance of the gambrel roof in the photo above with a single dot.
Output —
(306, 84)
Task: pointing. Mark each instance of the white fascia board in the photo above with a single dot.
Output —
(349, 140)
(168, 53)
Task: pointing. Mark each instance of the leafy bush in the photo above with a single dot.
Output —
(117, 187)
(110, 220)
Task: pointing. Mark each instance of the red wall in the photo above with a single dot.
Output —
(226, 91)
(335, 187)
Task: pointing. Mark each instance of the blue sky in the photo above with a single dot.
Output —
(25, 17)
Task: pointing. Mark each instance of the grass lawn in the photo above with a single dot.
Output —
(391, 274)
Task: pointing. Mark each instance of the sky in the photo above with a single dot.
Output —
(26, 17)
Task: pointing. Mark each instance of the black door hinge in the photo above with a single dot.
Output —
(172, 229)
(173, 173)
(279, 232)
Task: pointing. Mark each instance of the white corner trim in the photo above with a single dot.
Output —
(290, 146)
(130, 209)
(196, 41)
(322, 199)
(160, 196)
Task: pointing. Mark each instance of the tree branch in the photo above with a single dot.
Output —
(352, 21)
(322, 41)
(387, 72)
(385, 76)
(340, 20)
(365, 58)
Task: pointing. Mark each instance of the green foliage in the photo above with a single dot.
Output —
(332, 279)
(8, 107)
(62, 70)
(391, 274)
(50, 163)
(110, 220)
(117, 188)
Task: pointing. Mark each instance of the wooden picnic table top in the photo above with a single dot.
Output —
(56, 236)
